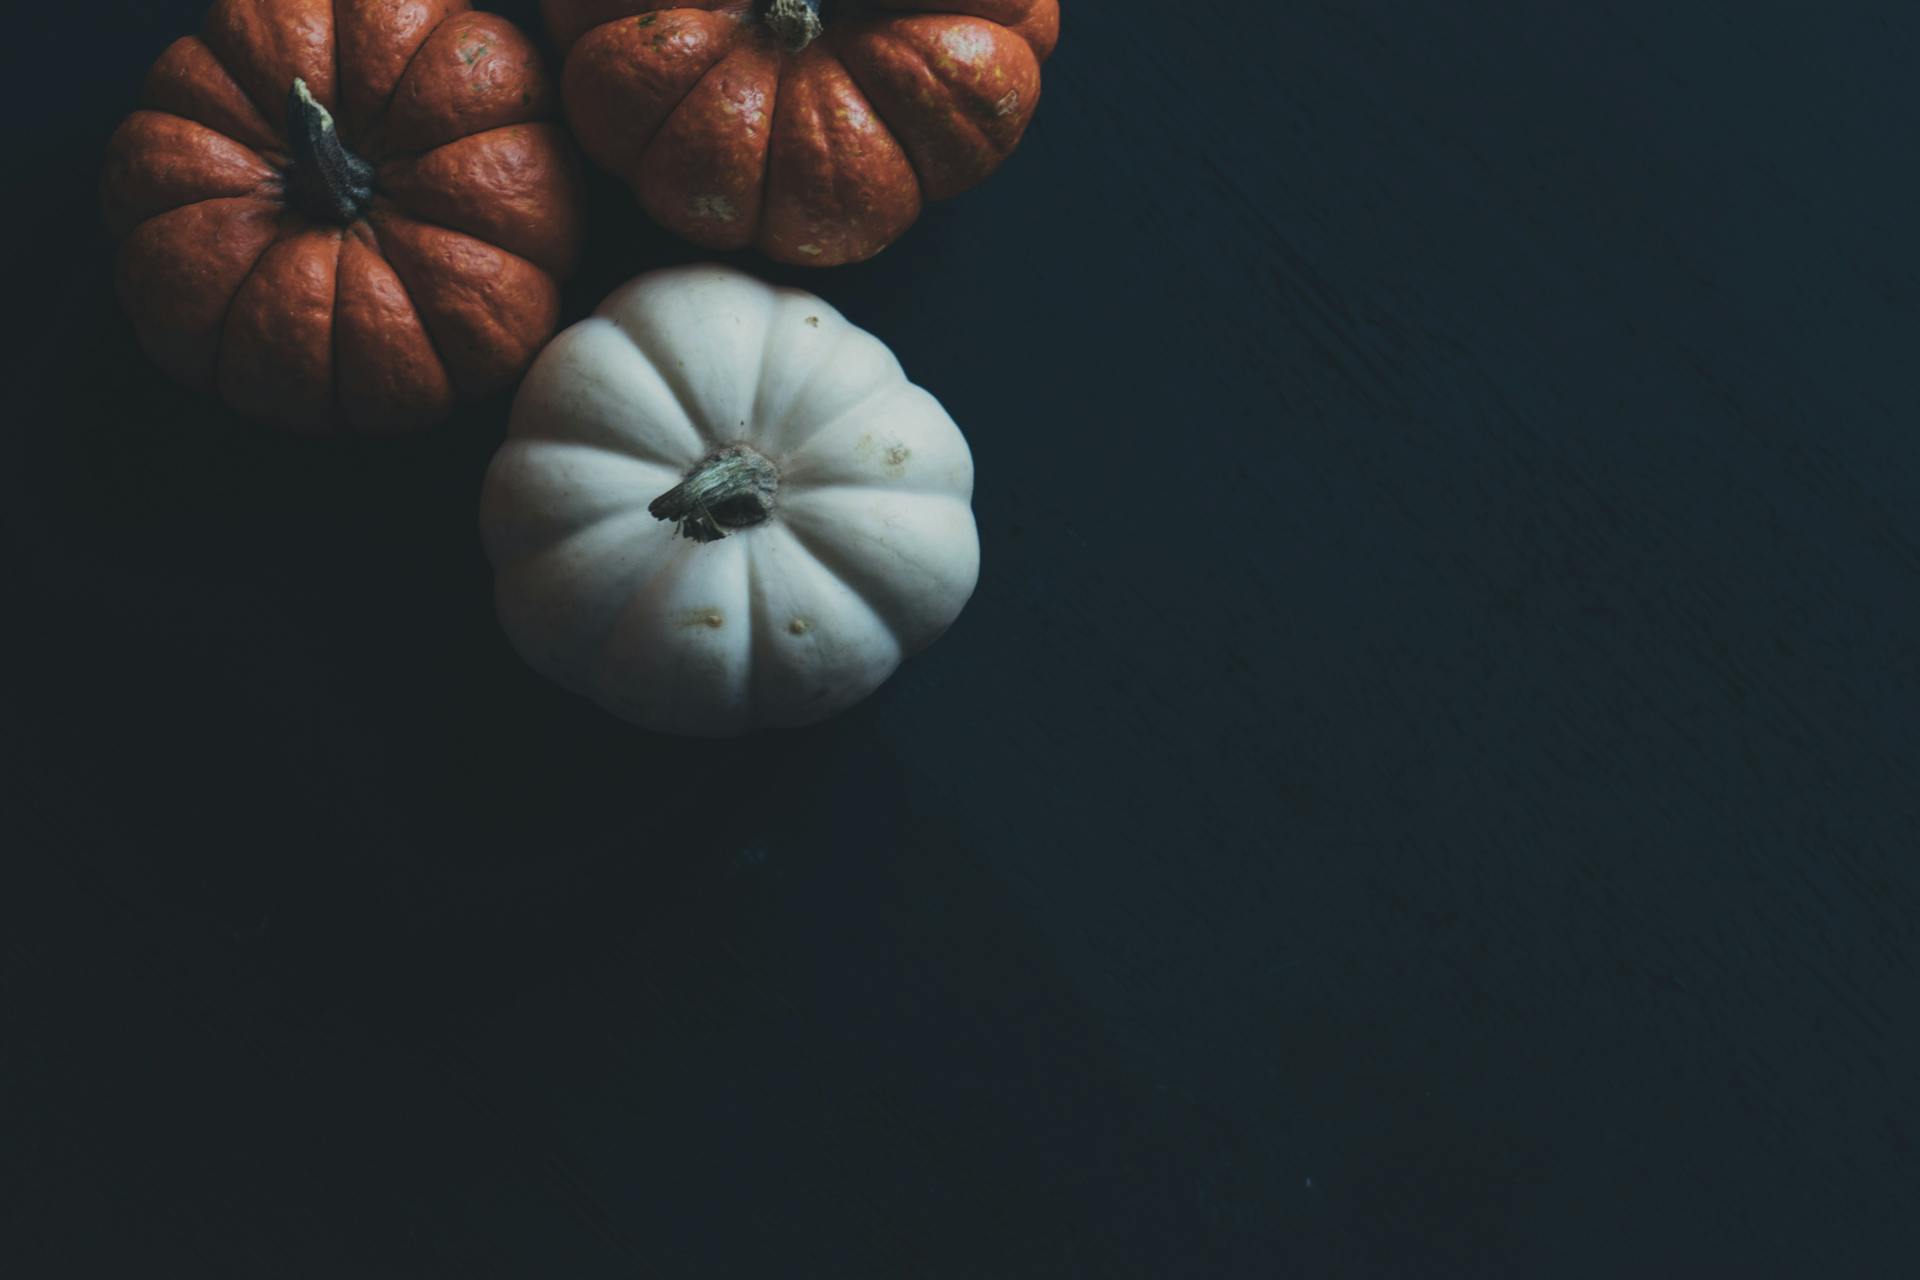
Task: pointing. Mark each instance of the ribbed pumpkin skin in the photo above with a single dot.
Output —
(867, 555)
(821, 157)
(445, 285)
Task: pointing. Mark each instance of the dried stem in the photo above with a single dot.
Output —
(734, 489)
(795, 23)
(328, 183)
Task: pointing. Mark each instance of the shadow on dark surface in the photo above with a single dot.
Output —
(415, 960)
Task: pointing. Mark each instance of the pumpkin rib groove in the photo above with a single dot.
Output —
(682, 399)
(528, 110)
(406, 212)
(624, 455)
(182, 331)
(828, 562)
(336, 400)
(336, 404)
(859, 406)
(428, 314)
(559, 268)
(764, 241)
(951, 110)
(878, 486)
(640, 150)
(638, 596)
(757, 635)
(766, 156)
(739, 670)
(266, 161)
(253, 355)
(377, 122)
(433, 343)
(580, 531)
(274, 111)
(190, 204)
(378, 129)
(596, 522)
(239, 129)
(818, 638)
(846, 64)
(913, 165)
(725, 53)
(760, 374)
(757, 407)
(826, 566)
(576, 669)
(645, 360)
(688, 102)
(245, 93)
(582, 657)
(822, 367)
(268, 189)
(226, 317)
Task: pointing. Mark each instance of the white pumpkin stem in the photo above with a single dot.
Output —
(794, 23)
(734, 489)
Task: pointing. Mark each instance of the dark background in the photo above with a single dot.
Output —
(1426, 786)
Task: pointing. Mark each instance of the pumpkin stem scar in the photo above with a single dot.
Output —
(733, 489)
(328, 182)
(794, 23)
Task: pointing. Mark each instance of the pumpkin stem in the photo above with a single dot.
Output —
(733, 489)
(328, 182)
(794, 23)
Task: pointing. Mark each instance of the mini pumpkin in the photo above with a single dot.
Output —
(812, 130)
(723, 507)
(344, 213)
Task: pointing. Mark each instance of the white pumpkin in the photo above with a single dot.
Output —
(722, 506)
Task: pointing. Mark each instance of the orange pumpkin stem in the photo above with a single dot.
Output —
(794, 23)
(328, 182)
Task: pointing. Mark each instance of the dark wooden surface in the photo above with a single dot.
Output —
(1426, 787)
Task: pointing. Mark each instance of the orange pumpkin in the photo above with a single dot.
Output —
(344, 213)
(812, 130)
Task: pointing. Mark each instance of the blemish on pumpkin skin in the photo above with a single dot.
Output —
(712, 619)
(799, 626)
(894, 457)
(813, 322)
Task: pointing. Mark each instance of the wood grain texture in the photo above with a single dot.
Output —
(1476, 837)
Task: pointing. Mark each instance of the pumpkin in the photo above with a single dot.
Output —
(343, 214)
(721, 506)
(810, 129)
